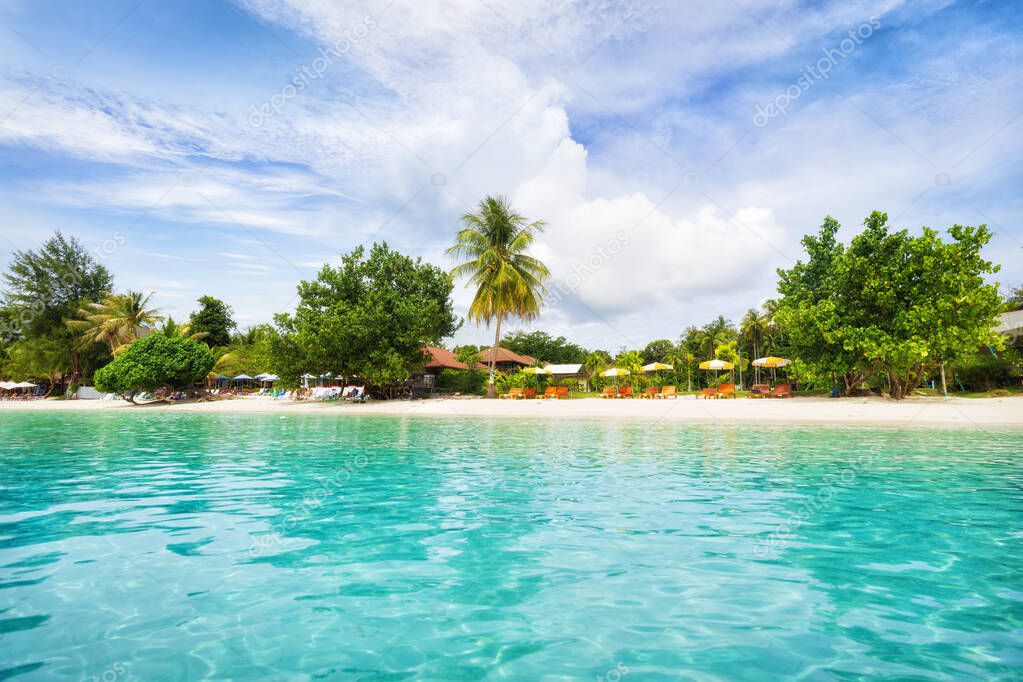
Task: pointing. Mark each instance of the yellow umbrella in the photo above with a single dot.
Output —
(656, 367)
(615, 372)
(536, 370)
(771, 361)
(716, 365)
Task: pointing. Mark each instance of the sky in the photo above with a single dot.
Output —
(678, 151)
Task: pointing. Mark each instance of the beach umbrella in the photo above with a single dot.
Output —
(221, 377)
(657, 367)
(244, 377)
(7, 385)
(24, 384)
(615, 372)
(716, 365)
(536, 370)
(772, 362)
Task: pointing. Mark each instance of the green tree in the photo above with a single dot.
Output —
(157, 361)
(214, 318)
(595, 363)
(468, 355)
(115, 320)
(175, 329)
(544, 347)
(893, 303)
(369, 318)
(43, 289)
(1014, 299)
(491, 249)
(657, 351)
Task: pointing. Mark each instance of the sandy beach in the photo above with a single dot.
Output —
(950, 412)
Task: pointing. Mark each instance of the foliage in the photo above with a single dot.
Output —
(1014, 299)
(154, 362)
(462, 381)
(214, 318)
(657, 351)
(38, 358)
(115, 320)
(468, 355)
(891, 302)
(544, 347)
(44, 287)
(368, 318)
(184, 331)
(248, 353)
(491, 249)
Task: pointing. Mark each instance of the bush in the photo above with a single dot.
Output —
(462, 381)
(156, 361)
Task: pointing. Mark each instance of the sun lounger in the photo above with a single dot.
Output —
(625, 392)
(512, 393)
(667, 392)
(562, 393)
(650, 392)
(782, 391)
(726, 390)
(760, 391)
(709, 393)
(551, 392)
(609, 392)
(528, 393)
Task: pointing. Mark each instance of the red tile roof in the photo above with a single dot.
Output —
(444, 359)
(505, 355)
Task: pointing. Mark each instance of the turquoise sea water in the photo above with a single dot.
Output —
(181, 547)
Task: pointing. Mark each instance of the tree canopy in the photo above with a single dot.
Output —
(157, 361)
(214, 319)
(544, 347)
(368, 318)
(891, 302)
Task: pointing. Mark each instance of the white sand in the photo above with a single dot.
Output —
(951, 412)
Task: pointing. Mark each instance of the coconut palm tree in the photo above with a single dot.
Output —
(509, 283)
(754, 327)
(180, 330)
(116, 320)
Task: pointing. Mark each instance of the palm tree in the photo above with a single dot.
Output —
(754, 326)
(595, 363)
(116, 320)
(509, 283)
(181, 330)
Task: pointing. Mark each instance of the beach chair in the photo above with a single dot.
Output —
(650, 392)
(708, 393)
(667, 392)
(609, 392)
(562, 393)
(760, 391)
(625, 392)
(726, 390)
(782, 391)
(550, 392)
(512, 393)
(528, 393)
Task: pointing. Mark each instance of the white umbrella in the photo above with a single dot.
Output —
(243, 377)
(309, 376)
(24, 384)
(7, 385)
(270, 377)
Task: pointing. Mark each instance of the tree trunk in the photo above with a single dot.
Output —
(944, 386)
(491, 386)
(76, 375)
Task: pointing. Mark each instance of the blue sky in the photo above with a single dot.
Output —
(210, 147)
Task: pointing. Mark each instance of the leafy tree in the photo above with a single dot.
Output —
(214, 319)
(492, 250)
(595, 363)
(891, 302)
(45, 287)
(156, 361)
(115, 320)
(368, 318)
(178, 330)
(468, 355)
(543, 346)
(40, 358)
(657, 351)
(1014, 300)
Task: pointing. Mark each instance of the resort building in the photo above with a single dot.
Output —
(507, 361)
(439, 359)
(559, 372)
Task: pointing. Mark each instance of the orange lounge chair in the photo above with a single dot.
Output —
(625, 392)
(551, 392)
(650, 392)
(725, 390)
(782, 391)
(528, 393)
(512, 393)
(609, 392)
(709, 393)
(760, 391)
(667, 392)
(562, 393)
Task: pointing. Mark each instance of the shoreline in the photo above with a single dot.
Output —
(911, 412)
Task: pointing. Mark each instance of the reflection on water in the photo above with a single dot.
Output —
(179, 547)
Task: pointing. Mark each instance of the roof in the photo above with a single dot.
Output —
(442, 358)
(565, 369)
(1011, 324)
(505, 355)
